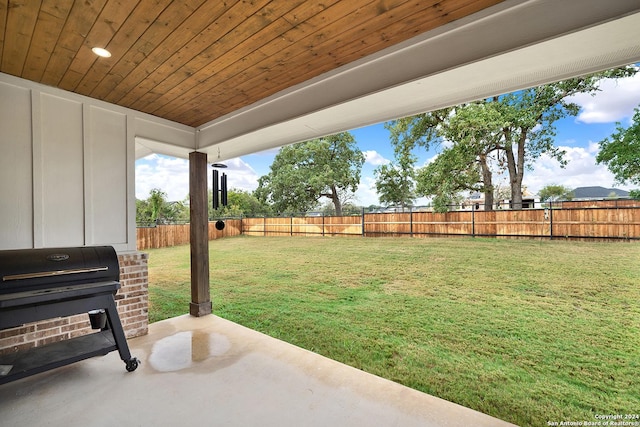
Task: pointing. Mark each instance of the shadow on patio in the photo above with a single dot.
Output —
(209, 371)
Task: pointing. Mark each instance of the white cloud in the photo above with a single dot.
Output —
(613, 103)
(241, 175)
(366, 193)
(374, 158)
(430, 160)
(593, 148)
(171, 175)
(581, 171)
(446, 143)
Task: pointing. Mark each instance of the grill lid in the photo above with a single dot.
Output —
(30, 269)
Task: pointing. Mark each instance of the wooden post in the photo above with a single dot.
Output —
(199, 234)
(411, 221)
(550, 220)
(473, 220)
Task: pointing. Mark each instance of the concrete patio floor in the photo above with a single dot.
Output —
(211, 372)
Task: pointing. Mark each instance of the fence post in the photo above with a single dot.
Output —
(322, 224)
(363, 234)
(411, 221)
(291, 226)
(550, 220)
(473, 220)
(264, 225)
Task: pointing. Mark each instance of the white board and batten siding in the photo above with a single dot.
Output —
(67, 167)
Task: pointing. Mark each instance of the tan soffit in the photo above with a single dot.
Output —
(192, 61)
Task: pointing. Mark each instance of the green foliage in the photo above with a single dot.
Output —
(621, 153)
(455, 169)
(395, 185)
(240, 203)
(417, 131)
(157, 210)
(530, 115)
(142, 215)
(553, 192)
(348, 209)
(302, 174)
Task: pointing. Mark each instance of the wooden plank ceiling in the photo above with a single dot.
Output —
(192, 61)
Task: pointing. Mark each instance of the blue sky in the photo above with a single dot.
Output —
(578, 136)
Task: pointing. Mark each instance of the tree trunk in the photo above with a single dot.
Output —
(516, 177)
(515, 165)
(336, 200)
(487, 183)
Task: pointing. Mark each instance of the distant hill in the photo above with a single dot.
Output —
(597, 192)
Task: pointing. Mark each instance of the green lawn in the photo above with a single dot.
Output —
(527, 331)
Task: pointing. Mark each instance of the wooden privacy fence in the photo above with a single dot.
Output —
(613, 223)
(162, 236)
(593, 223)
(303, 226)
(598, 223)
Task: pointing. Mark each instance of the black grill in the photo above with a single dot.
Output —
(39, 284)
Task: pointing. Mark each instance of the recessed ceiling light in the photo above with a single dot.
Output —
(101, 52)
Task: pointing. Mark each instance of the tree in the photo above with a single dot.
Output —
(621, 153)
(465, 165)
(177, 211)
(501, 192)
(530, 115)
(504, 132)
(395, 183)
(473, 127)
(156, 209)
(553, 192)
(142, 216)
(157, 201)
(455, 169)
(240, 203)
(348, 209)
(303, 173)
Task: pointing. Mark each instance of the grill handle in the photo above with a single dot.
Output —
(52, 273)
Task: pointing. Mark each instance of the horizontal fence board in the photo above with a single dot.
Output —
(584, 204)
(600, 222)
